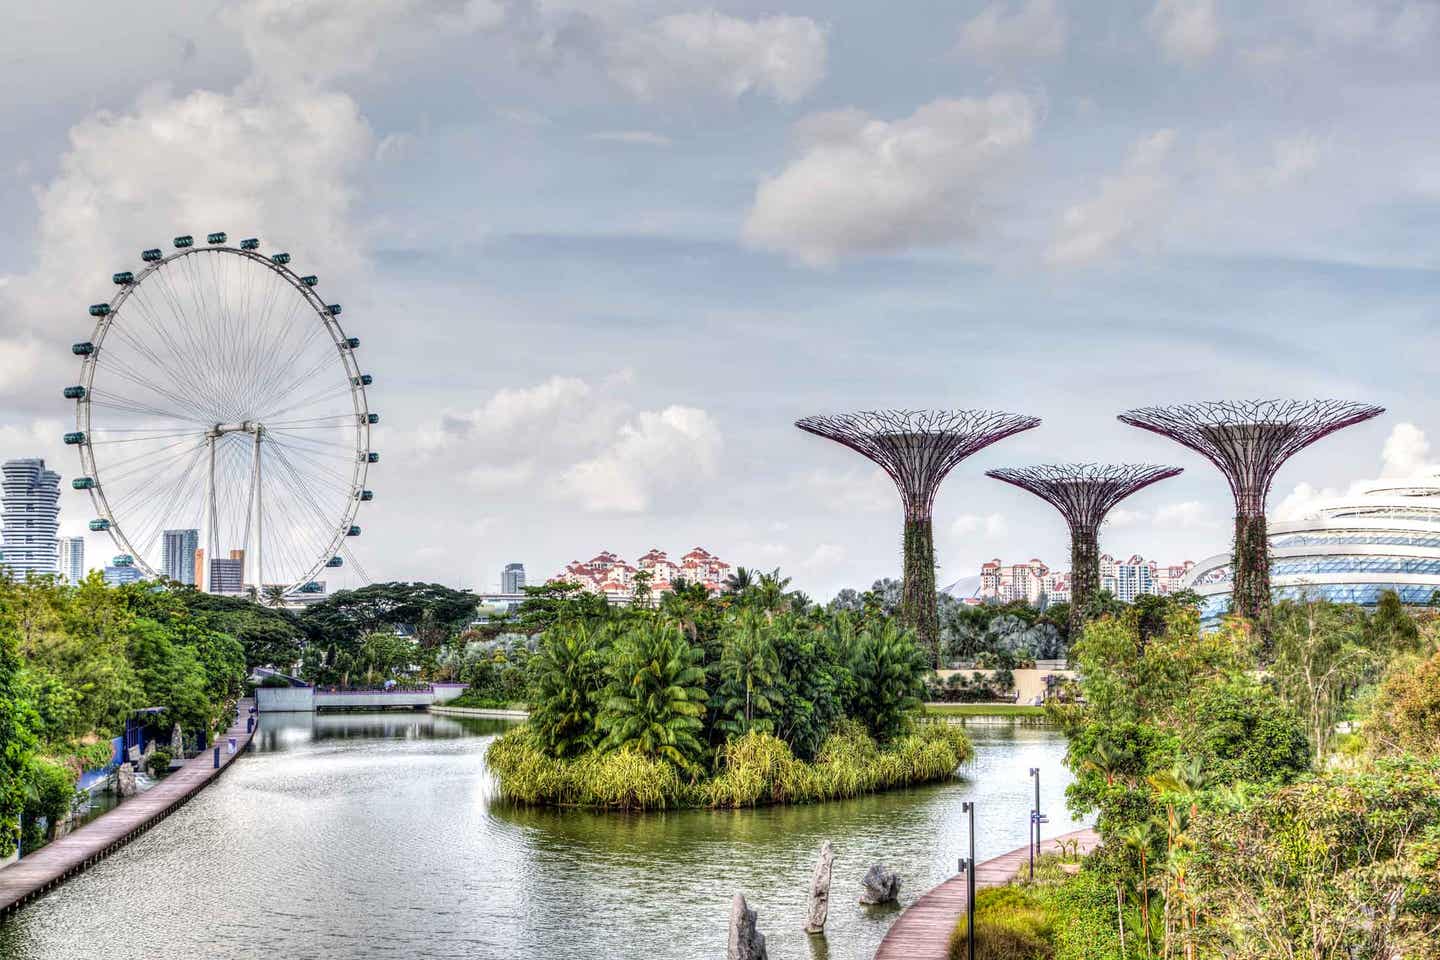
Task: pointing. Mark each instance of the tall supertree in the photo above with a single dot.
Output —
(917, 448)
(1249, 441)
(1083, 493)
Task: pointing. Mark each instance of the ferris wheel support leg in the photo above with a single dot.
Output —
(259, 521)
(211, 521)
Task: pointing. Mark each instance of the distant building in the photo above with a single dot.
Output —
(1032, 581)
(609, 574)
(72, 559)
(512, 578)
(222, 574)
(30, 522)
(178, 555)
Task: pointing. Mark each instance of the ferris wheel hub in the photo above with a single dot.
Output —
(244, 426)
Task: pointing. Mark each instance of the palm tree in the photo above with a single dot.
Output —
(655, 696)
(568, 672)
(274, 595)
(889, 669)
(741, 580)
(770, 592)
(749, 664)
(1141, 838)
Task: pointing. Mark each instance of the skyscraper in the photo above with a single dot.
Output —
(31, 517)
(178, 554)
(512, 578)
(72, 559)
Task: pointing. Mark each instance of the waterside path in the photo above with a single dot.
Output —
(923, 931)
(31, 876)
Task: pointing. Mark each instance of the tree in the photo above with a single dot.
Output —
(655, 695)
(748, 670)
(430, 611)
(273, 596)
(1321, 657)
(568, 678)
(889, 670)
(1405, 716)
(383, 653)
(549, 603)
(17, 742)
(740, 581)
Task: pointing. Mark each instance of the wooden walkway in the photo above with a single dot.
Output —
(923, 931)
(31, 876)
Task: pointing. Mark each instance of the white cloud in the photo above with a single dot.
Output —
(857, 490)
(1128, 205)
(646, 138)
(666, 450)
(560, 406)
(781, 56)
(318, 40)
(862, 185)
(1186, 515)
(987, 525)
(1187, 30)
(1406, 452)
(824, 555)
(1396, 25)
(1405, 456)
(1036, 29)
(1122, 517)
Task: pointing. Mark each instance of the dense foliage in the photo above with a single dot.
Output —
(749, 696)
(75, 661)
(1235, 820)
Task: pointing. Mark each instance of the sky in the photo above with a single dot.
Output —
(602, 254)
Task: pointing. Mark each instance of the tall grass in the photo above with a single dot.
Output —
(756, 769)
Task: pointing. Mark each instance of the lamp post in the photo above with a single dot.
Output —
(1035, 820)
(967, 867)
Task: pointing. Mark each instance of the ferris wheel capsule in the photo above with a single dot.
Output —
(352, 342)
(184, 241)
(151, 255)
(333, 309)
(364, 380)
(100, 524)
(75, 437)
(310, 281)
(99, 309)
(280, 258)
(372, 457)
(250, 244)
(215, 238)
(83, 483)
(366, 495)
(123, 277)
(372, 418)
(75, 393)
(83, 349)
(354, 531)
(334, 562)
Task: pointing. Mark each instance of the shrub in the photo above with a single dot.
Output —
(1011, 923)
(158, 763)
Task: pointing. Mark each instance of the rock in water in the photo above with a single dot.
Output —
(820, 890)
(125, 780)
(746, 943)
(880, 885)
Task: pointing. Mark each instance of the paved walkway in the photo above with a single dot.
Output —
(31, 876)
(923, 931)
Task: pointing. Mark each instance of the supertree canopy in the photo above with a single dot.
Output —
(917, 448)
(1249, 441)
(1083, 493)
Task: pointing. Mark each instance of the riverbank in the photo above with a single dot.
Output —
(923, 931)
(61, 859)
(485, 713)
(984, 710)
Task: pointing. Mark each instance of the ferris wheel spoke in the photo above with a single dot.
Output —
(96, 399)
(301, 380)
(162, 502)
(198, 357)
(114, 478)
(329, 467)
(122, 369)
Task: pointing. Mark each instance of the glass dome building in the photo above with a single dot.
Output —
(1354, 549)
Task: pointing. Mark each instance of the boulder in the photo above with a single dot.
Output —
(746, 942)
(125, 780)
(132, 753)
(177, 743)
(820, 890)
(880, 885)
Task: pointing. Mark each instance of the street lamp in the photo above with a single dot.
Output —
(1036, 818)
(967, 867)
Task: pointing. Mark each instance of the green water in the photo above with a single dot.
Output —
(381, 835)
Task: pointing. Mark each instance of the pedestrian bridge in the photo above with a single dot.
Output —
(307, 699)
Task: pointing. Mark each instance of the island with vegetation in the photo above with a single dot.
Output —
(1238, 818)
(754, 696)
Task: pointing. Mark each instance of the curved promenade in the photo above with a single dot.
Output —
(922, 931)
(31, 876)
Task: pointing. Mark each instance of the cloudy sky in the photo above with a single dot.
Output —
(602, 253)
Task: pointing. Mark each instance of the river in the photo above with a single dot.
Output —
(381, 836)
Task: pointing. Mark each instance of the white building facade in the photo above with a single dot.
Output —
(30, 519)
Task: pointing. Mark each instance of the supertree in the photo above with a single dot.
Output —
(1083, 493)
(1249, 441)
(917, 448)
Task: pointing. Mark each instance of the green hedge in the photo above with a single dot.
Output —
(756, 769)
(1058, 917)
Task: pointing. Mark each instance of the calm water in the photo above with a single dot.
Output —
(347, 835)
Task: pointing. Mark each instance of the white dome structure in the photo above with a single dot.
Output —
(1386, 537)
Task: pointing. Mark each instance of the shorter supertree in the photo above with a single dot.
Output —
(1248, 441)
(917, 448)
(1083, 493)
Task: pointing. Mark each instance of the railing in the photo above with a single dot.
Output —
(397, 689)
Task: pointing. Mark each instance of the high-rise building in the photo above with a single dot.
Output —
(1125, 579)
(72, 559)
(31, 517)
(178, 554)
(227, 575)
(512, 578)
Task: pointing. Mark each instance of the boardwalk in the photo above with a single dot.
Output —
(923, 931)
(24, 881)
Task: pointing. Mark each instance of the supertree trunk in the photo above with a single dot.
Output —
(919, 607)
(1250, 569)
(1084, 577)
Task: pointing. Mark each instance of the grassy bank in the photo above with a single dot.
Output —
(1061, 916)
(983, 710)
(753, 770)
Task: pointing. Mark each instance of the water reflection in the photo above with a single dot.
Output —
(381, 835)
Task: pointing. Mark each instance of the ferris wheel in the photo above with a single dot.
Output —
(222, 420)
